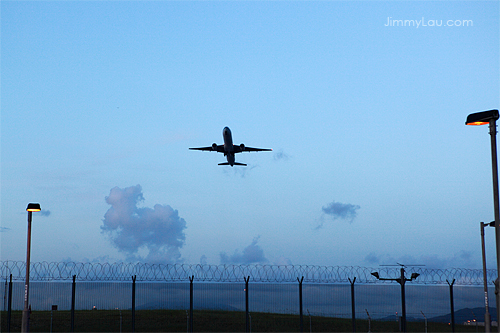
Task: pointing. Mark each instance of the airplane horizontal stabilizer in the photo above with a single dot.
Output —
(235, 163)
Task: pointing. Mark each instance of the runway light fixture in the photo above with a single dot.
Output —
(32, 207)
(401, 280)
(484, 118)
(487, 316)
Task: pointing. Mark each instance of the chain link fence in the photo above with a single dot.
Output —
(271, 289)
(61, 271)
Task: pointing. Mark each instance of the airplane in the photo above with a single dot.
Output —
(229, 149)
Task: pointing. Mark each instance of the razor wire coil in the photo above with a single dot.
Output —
(120, 271)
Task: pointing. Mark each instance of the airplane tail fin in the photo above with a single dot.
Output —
(235, 163)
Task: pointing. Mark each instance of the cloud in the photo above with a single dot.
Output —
(459, 259)
(44, 212)
(282, 261)
(281, 155)
(372, 259)
(338, 210)
(147, 234)
(4, 229)
(253, 253)
(240, 170)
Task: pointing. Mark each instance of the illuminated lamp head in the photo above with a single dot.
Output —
(481, 118)
(33, 207)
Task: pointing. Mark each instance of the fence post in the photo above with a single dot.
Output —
(300, 304)
(191, 321)
(133, 302)
(9, 304)
(73, 304)
(451, 305)
(5, 295)
(247, 313)
(403, 299)
(353, 307)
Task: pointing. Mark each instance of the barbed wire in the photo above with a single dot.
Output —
(61, 271)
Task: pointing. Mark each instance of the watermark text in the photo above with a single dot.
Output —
(423, 22)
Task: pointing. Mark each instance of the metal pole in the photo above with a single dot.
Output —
(10, 304)
(353, 308)
(51, 319)
(452, 305)
(425, 320)
(369, 321)
(494, 165)
(191, 279)
(73, 289)
(133, 302)
(403, 300)
(25, 318)
(300, 304)
(5, 294)
(247, 318)
(487, 317)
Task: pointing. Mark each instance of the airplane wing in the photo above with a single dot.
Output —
(214, 147)
(242, 148)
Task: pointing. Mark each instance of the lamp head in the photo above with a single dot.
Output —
(376, 275)
(481, 118)
(33, 207)
(414, 275)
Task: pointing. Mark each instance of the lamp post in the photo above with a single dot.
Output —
(487, 317)
(32, 207)
(482, 118)
(401, 280)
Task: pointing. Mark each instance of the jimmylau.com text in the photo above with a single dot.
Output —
(427, 23)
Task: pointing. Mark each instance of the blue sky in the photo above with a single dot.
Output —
(371, 164)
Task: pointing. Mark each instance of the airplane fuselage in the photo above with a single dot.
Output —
(228, 141)
(228, 146)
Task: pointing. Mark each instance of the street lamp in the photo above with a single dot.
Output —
(487, 317)
(482, 118)
(32, 207)
(401, 280)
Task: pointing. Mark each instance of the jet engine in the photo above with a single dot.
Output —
(214, 146)
(242, 147)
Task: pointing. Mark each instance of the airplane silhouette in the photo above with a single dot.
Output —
(229, 149)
